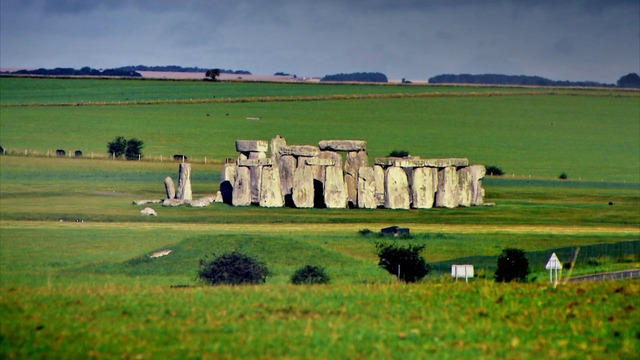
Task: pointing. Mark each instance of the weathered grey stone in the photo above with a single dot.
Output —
(335, 192)
(351, 184)
(172, 202)
(201, 202)
(144, 202)
(169, 187)
(287, 167)
(447, 194)
(148, 212)
(300, 150)
(228, 172)
(423, 189)
(254, 162)
(366, 188)
(326, 158)
(477, 192)
(303, 187)
(255, 174)
(378, 174)
(245, 146)
(318, 161)
(396, 188)
(464, 186)
(343, 145)
(241, 195)
(419, 162)
(355, 160)
(336, 157)
(243, 156)
(184, 182)
(218, 198)
(276, 143)
(271, 192)
(226, 184)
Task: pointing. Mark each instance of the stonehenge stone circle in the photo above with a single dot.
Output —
(338, 174)
(184, 182)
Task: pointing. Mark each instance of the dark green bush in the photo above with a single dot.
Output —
(233, 268)
(134, 149)
(399, 153)
(365, 232)
(117, 147)
(494, 170)
(310, 274)
(403, 261)
(563, 176)
(512, 266)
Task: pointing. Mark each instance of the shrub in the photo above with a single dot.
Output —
(365, 232)
(512, 265)
(232, 268)
(399, 153)
(404, 262)
(117, 147)
(563, 176)
(494, 170)
(134, 149)
(310, 274)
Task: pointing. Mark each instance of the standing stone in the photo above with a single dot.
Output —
(169, 187)
(378, 174)
(303, 187)
(320, 170)
(355, 160)
(277, 143)
(241, 187)
(271, 192)
(447, 195)
(423, 189)
(184, 183)
(396, 188)
(255, 173)
(351, 184)
(464, 186)
(477, 192)
(218, 198)
(335, 192)
(287, 166)
(366, 188)
(228, 177)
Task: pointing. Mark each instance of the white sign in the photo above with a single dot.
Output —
(462, 271)
(553, 263)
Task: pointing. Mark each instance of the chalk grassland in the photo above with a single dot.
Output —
(589, 138)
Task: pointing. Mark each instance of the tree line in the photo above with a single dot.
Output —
(85, 71)
(358, 76)
(630, 80)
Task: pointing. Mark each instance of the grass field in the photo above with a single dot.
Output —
(76, 279)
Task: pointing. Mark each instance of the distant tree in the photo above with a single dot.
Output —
(512, 265)
(134, 149)
(359, 76)
(117, 147)
(494, 170)
(631, 80)
(310, 274)
(405, 262)
(399, 153)
(563, 176)
(213, 74)
(232, 268)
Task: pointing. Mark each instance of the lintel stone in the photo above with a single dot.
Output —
(316, 161)
(343, 145)
(255, 162)
(300, 150)
(251, 146)
(418, 162)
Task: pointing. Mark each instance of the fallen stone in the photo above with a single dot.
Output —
(343, 145)
(143, 202)
(300, 150)
(447, 194)
(335, 192)
(303, 187)
(241, 195)
(396, 188)
(245, 146)
(419, 162)
(464, 186)
(271, 192)
(477, 192)
(255, 162)
(169, 187)
(148, 212)
(184, 182)
(172, 202)
(351, 184)
(201, 202)
(287, 166)
(423, 189)
(378, 174)
(366, 188)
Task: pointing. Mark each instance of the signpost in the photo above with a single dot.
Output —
(553, 264)
(465, 271)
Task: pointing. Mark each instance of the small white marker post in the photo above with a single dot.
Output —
(465, 271)
(553, 264)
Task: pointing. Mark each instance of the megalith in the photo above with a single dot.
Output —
(477, 192)
(378, 174)
(271, 192)
(423, 189)
(241, 195)
(366, 188)
(303, 187)
(287, 167)
(396, 188)
(335, 192)
(228, 177)
(351, 184)
(464, 186)
(447, 196)
(255, 174)
(184, 182)
(169, 187)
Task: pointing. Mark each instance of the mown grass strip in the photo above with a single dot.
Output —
(258, 99)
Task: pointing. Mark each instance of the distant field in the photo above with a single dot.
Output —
(589, 138)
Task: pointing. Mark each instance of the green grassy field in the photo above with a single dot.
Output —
(77, 281)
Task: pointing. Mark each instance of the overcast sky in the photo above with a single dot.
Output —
(562, 40)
